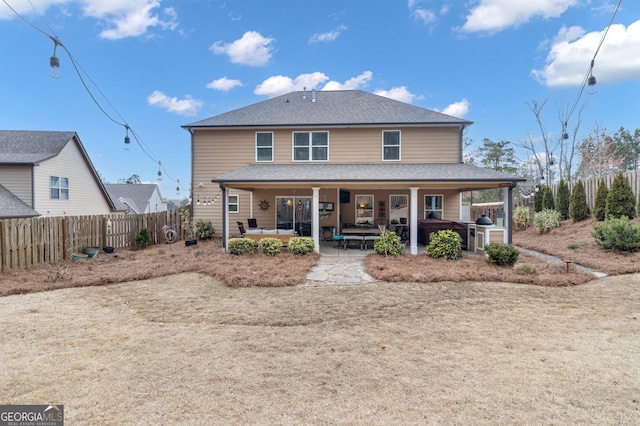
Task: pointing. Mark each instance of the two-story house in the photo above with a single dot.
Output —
(312, 160)
(48, 173)
(136, 198)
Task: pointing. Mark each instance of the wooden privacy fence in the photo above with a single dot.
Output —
(27, 242)
(591, 185)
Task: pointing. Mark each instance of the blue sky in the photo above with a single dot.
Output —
(159, 64)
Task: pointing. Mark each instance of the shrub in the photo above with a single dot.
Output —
(445, 243)
(546, 220)
(240, 245)
(563, 199)
(600, 204)
(501, 254)
(204, 229)
(301, 245)
(270, 246)
(142, 237)
(547, 199)
(617, 234)
(578, 208)
(388, 244)
(537, 200)
(620, 199)
(522, 217)
(525, 268)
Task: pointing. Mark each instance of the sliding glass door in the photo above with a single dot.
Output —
(294, 213)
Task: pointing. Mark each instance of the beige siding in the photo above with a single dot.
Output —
(85, 196)
(17, 179)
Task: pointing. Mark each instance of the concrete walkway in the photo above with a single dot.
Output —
(335, 271)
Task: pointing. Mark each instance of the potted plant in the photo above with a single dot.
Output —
(187, 222)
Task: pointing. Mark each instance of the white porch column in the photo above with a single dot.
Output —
(315, 221)
(508, 222)
(413, 221)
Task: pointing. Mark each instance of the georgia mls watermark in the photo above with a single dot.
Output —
(31, 415)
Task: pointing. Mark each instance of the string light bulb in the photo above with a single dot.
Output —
(178, 187)
(127, 140)
(159, 171)
(54, 62)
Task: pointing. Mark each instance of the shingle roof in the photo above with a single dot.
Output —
(31, 146)
(136, 196)
(12, 207)
(387, 172)
(331, 108)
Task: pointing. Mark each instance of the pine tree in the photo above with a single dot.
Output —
(547, 199)
(563, 199)
(599, 208)
(620, 199)
(537, 200)
(578, 208)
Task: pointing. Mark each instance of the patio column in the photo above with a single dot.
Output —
(508, 217)
(413, 221)
(225, 217)
(315, 221)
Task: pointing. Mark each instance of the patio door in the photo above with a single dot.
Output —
(294, 213)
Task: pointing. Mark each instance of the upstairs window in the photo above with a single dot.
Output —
(310, 146)
(264, 146)
(59, 188)
(391, 145)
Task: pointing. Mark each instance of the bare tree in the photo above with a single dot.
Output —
(599, 154)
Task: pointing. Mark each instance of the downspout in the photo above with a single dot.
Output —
(462, 127)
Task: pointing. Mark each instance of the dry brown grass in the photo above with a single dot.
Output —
(185, 349)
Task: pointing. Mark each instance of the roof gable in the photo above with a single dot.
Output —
(136, 196)
(11, 206)
(329, 108)
(31, 146)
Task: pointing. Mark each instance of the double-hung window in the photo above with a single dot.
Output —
(264, 146)
(59, 188)
(310, 146)
(391, 145)
(234, 203)
(433, 208)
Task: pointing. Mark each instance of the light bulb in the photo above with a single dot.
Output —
(54, 67)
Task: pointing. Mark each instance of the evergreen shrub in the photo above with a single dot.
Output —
(501, 254)
(270, 246)
(563, 199)
(617, 234)
(301, 245)
(239, 246)
(204, 229)
(620, 199)
(578, 208)
(600, 204)
(445, 243)
(388, 244)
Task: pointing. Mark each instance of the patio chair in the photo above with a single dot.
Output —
(253, 223)
(241, 228)
(336, 237)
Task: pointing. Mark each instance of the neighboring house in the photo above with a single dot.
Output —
(48, 173)
(312, 160)
(136, 198)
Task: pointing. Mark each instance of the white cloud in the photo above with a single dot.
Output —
(327, 37)
(572, 49)
(187, 106)
(458, 109)
(224, 84)
(24, 8)
(423, 15)
(129, 18)
(252, 49)
(497, 15)
(401, 94)
(280, 84)
(354, 83)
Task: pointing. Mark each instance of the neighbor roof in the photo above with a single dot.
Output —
(13, 207)
(134, 195)
(31, 146)
(340, 107)
(387, 172)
